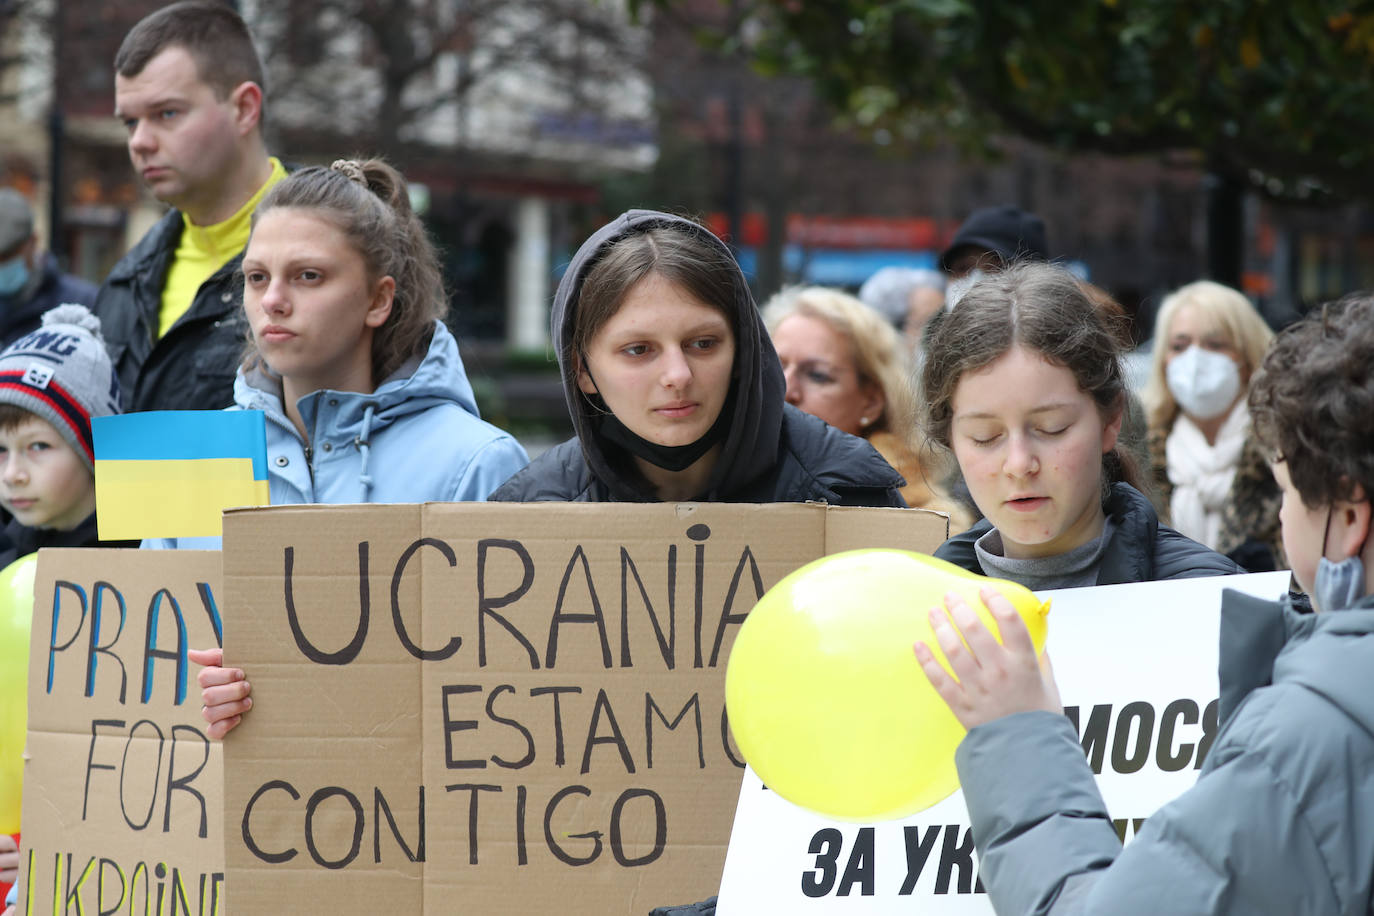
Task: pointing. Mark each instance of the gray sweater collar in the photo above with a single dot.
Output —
(1073, 569)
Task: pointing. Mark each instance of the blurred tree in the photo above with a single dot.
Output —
(12, 53)
(388, 74)
(1278, 95)
(1269, 95)
(731, 142)
(46, 47)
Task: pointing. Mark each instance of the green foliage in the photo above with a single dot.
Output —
(532, 362)
(1279, 92)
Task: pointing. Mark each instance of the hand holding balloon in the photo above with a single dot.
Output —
(994, 679)
(823, 697)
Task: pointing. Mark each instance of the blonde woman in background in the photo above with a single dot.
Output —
(845, 363)
(1209, 339)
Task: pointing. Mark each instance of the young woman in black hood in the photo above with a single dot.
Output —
(674, 388)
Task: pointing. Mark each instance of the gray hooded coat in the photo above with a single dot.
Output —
(772, 452)
(1281, 820)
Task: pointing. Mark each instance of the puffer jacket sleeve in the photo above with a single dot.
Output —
(559, 474)
(1037, 816)
(1237, 842)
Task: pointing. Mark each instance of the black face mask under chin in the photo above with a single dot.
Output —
(668, 457)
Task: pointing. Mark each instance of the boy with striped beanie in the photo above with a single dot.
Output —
(52, 381)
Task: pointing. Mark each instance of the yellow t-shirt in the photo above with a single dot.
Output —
(204, 250)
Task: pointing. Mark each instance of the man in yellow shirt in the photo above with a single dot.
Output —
(188, 88)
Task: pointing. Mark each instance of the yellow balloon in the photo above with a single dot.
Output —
(825, 697)
(16, 615)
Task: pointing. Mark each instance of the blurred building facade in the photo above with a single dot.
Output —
(505, 117)
(523, 123)
(815, 203)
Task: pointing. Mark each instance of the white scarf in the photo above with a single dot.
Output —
(1202, 473)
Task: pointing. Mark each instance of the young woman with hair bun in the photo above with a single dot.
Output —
(364, 391)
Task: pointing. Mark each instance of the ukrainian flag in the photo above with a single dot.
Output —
(171, 473)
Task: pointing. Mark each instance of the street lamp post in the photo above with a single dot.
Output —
(57, 242)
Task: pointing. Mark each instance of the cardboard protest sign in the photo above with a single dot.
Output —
(122, 788)
(1137, 670)
(498, 708)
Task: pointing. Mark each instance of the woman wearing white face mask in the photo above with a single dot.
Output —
(1208, 340)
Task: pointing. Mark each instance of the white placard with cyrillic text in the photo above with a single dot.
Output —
(1137, 671)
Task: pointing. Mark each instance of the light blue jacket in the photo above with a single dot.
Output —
(417, 438)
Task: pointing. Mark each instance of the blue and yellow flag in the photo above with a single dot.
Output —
(170, 473)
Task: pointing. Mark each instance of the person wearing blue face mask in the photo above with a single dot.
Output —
(1206, 466)
(30, 281)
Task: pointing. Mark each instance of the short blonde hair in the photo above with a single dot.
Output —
(1221, 310)
(879, 357)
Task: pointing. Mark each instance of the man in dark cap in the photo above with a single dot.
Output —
(30, 281)
(989, 240)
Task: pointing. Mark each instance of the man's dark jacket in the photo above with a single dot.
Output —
(192, 366)
(17, 540)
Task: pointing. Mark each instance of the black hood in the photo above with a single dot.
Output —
(751, 444)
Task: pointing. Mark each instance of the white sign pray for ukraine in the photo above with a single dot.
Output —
(1137, 670)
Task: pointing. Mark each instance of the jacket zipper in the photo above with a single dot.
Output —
(309, 452)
